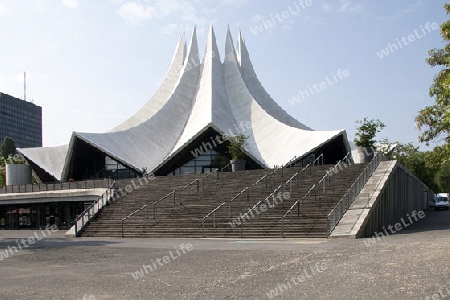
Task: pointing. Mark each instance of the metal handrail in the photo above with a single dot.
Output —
(239, 193)
(204, 178)
(260, 179)
(254, 207)
(209, 175)
(235, 197)
(290, 162)
(213, 212)
(105, 199)
(55, 186)
(132, 214)
(351, 194)
(345, 161)
(318, 159)
(348, 157)
(196, 181)
(314, 187)
(289, 211)
(216, 171)
(227, 166)
(247, 189)
(162, 199)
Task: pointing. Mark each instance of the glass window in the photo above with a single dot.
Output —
(207, 162)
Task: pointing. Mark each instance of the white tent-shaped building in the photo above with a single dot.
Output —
(183, 128)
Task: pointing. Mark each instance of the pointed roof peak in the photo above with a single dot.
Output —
(182, 45)
(192, 54)
(242, 49)
(241, 36)
(230, 52)
(211, 31)
(194, 31)
(211, 46)
(228, 31)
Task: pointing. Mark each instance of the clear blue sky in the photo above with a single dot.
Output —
(92, 64)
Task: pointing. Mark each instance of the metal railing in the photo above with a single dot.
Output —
(318, 161)
(55, 186)
(213, 213)
(319, 186)
(188, 187)
(216, 172)
(133, 214)
(342, 206)
(237, 197)
(92, 210)
(289, 211)
(249, 213)
(293, 162)
(207, 177)
(174, 192)
(162, 199)
(228, 167)
(246, 190)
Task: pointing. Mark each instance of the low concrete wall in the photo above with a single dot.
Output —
(390, 195)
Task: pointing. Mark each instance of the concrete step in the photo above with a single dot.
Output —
(185, 219)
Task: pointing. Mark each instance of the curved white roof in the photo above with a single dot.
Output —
(50, 159)
(196, 96)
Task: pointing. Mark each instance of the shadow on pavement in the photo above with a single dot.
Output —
(433, 220)
(55, 243)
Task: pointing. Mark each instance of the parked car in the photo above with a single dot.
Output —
(442, 201)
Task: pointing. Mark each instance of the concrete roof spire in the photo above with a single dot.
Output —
(192, 53)
(230, 52)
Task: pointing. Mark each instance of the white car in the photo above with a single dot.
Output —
(441, 202)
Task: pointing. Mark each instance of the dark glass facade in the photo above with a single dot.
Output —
(207, 162)
(39, 215)
(88, 162)
(20, 120)
(116, 170)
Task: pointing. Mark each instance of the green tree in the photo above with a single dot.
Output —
(434, 120)
(422, 164)
(443, 179)
(7, 148)
(366, 132)
(436, 158)
(237, 142)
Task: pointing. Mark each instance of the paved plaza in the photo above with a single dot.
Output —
(411, 264)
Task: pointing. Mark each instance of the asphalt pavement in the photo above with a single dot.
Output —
(410, 264)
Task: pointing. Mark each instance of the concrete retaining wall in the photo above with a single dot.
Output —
(390, 195)
(401, 194)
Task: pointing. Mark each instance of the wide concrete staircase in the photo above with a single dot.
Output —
(182, 214)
